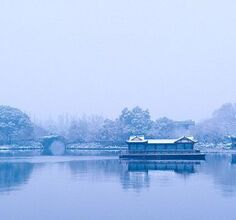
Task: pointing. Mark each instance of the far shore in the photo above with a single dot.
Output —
(93, 147)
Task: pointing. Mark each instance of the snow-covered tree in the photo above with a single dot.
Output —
(111, 131)
(167, 128)
(162, 128)
(135, 121)
(78, 131)
(221, 124)
(85, 129)
(14, 125)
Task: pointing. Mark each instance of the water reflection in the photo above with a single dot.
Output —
(69, 187)
(233, 160)
(222, 170)
(137, 175)
(98, 168)
(13, 175)
(182, 167)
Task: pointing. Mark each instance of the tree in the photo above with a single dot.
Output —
(226, 112)
(167, 128)
(14, 125)
(111, 131)
(221, 124)
(162, 128)
(209, 131)
(78, 131)
(85, 129)
(135, 121)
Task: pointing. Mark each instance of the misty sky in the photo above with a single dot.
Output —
(175, 57)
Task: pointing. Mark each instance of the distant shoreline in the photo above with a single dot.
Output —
(105, 148)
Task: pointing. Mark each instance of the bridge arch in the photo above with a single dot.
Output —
(53, 145)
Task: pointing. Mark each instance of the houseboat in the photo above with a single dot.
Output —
(233, 140)
(162, 149)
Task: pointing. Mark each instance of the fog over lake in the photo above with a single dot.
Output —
(117, 110)
(176, 58)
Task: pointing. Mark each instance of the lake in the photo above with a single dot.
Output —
(89, 187)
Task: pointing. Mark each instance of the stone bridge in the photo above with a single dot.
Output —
(56, 144)
(53, 144)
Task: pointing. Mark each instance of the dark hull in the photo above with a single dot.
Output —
(165, 156)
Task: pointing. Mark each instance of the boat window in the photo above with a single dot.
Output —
(180, 146)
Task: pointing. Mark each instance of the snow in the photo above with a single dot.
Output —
(141, 139)
(162, 141)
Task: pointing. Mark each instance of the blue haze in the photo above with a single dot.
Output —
(176, 58)
(71, 187)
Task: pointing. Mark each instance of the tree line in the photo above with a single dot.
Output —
(15, 125)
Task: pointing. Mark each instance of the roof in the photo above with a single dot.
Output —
(141, 139)
(162, 141)
(137, 139)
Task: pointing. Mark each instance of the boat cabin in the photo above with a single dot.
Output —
(233, 140)
(138, 144)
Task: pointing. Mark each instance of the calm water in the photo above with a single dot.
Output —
(102, 187)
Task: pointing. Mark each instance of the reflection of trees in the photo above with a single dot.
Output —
(135, 180)
(77, 152)
(20, 153)
(135, 175)
(96, 168)
(14, 174)
(223, 170)
(131, 174)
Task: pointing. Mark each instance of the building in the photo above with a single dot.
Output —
(138, 144)
(233, 140)
(189, 124)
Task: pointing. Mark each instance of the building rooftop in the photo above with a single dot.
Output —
(137, 138)
(141, 139)
(162, 141)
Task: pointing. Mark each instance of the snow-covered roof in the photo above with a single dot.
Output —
(141, 139)
(137, 138)
(171, 141)
(50, 136)
(162, 141)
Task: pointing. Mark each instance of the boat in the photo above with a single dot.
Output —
(181, 148)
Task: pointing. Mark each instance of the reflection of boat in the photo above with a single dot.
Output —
(233, 160)
(165, 156)
(162, 149)
(177, 166)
